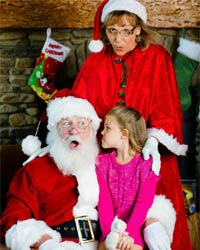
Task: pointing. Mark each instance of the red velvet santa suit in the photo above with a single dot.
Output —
(40, 193)
(151, 89)
(40, 190)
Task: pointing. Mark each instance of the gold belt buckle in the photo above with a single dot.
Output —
(83, 240)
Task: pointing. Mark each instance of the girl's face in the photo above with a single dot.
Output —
(122, 36)
(112, 134)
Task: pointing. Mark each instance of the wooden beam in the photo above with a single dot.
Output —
(80, 13)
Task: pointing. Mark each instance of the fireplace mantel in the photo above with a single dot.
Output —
(80, 13)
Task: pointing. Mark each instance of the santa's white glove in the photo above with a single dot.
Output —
(51, 244)
(151, 148)
(40, 152)
(156, 237)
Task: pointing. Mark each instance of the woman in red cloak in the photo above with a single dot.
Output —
(132, 69)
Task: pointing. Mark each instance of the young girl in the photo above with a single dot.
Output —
(127, 183)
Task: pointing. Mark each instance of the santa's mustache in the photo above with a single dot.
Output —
(68, 159)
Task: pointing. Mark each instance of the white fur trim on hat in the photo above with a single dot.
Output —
(30, 145)
(128, 5)
(95, 45)
(190, 49)
(163, 210)
(60, 108)
(168, 141)
(24, 234)
(107, 6)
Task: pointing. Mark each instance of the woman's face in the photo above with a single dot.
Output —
(122, 36)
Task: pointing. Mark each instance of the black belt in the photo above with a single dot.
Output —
(81, 228)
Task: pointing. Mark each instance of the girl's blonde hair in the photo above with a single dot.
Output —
(131, 120)
(147, 35)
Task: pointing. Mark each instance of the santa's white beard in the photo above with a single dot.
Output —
(71, 161)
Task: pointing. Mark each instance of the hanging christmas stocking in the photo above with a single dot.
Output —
(185, 63)
(42, 80)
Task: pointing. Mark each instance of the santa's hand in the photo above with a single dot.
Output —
(156, 237)
(151, 148)
(40, 152)
(51, 244)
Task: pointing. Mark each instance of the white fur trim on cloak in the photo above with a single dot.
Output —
(88, 188)
(163, 210)
(24, 234)
(168, 141)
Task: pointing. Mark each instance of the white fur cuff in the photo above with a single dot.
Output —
(163, 210)
(168, 141)
(88, 188)
(24, 234)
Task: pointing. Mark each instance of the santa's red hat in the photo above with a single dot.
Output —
(106, 7)
(58, 108)
(64, 107)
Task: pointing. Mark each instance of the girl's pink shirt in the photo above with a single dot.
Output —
(126, 191)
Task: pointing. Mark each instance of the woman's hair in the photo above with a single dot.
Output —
(131, 120)
(147, 35)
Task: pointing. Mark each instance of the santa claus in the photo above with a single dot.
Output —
(52, 200)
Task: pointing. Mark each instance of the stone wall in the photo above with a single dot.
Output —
(20, 108)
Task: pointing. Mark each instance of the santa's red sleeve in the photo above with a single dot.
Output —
(20, 223)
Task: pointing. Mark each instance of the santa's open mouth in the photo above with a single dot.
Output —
(74, 144)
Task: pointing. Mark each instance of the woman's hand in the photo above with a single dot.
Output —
(151, 148)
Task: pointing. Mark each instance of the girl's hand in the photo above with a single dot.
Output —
(126, 242)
